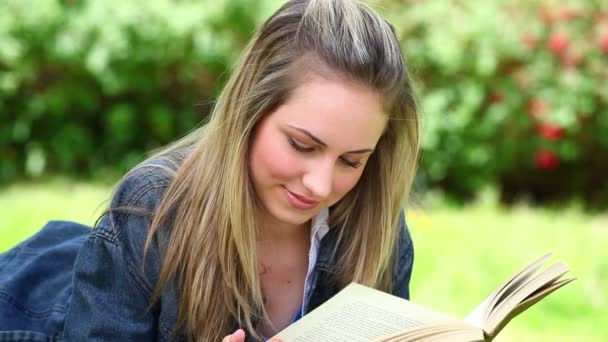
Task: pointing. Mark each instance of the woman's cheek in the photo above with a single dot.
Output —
(284, 162)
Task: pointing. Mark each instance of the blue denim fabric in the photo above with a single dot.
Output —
(51, 292)
(36, 282)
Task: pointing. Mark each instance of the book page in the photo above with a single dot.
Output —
(547, 277)
(438, 333)
(360, 314)
(527, 303)
(477, 316)
(514, 282)
(481, 314)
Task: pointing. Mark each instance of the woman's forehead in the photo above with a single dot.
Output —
(336, 110)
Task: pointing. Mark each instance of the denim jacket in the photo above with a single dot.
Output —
(108, 297)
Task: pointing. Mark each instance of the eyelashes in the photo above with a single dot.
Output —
(299, 147)
(303, 149)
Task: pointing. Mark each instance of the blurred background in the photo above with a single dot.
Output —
(514, 95)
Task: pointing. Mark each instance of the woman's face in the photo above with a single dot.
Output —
(308, 153)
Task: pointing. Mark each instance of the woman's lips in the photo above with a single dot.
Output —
(299, 201)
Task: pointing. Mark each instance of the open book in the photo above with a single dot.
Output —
(359, 313)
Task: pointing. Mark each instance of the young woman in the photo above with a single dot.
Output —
(291, 190)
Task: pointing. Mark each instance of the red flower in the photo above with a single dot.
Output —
(558, 42)
(537, 107)
(550, 131)
(546, 160)
(603, 43)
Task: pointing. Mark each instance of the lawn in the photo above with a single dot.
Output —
(462, 254)
(25, 208)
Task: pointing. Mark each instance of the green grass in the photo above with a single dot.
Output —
(462, 254)
(25, 208)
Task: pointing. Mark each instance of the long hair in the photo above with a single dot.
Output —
(210, 204)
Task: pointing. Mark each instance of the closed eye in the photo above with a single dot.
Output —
(353, 164)
(300, 148)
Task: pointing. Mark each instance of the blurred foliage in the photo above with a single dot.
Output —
(513, 92)
(91, 85)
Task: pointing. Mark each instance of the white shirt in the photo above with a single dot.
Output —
(319, 227)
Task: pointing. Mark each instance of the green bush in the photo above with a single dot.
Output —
(91, 85)
(514, 93)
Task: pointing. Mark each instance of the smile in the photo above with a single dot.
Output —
(300, 202)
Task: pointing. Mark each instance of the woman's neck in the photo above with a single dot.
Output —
(281, 234)
(272, 230)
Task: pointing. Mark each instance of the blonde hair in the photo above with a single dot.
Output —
(210, 204)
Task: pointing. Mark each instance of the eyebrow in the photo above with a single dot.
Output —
(320, 142)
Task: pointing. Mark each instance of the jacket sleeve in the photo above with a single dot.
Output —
(111, 288)
(404, 261)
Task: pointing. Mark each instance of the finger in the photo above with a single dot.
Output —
(276, 340)
(233, 337)
(238, 336)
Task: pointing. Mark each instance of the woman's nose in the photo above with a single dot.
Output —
(318, 180)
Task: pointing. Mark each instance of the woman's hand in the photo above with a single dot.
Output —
(239, 336)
